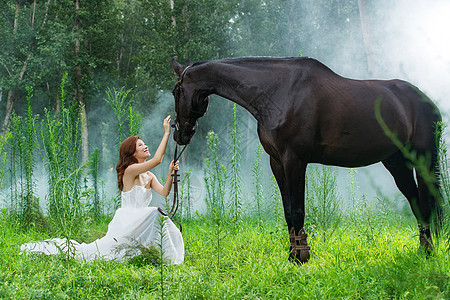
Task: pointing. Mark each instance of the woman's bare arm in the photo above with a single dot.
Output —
(158, 187)
(138, 168)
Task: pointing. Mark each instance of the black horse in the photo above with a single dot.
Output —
(306, 113)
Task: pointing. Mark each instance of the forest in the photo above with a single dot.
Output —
(77, 77)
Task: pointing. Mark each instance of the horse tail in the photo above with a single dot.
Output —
(439, 168)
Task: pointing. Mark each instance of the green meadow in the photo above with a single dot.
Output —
(244, 261)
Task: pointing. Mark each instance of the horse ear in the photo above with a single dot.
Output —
(177, 68)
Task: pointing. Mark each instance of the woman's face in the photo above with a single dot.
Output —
(141, 150)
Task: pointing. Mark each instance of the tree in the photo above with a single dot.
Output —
(21, 31)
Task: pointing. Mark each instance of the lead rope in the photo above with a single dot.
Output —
(176, 179)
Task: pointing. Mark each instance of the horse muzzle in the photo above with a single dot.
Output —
(182, 138)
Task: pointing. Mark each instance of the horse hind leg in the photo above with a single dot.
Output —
(403, 175)
(429, 204)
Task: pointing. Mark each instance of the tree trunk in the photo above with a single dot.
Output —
(11, 98)
(172, 5)
(8, 111)
(78, 89)
(12, 92)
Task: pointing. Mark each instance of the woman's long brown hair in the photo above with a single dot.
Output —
(126, 157)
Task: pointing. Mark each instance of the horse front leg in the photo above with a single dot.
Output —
(280, 177)
(296, 176)
(290, 177)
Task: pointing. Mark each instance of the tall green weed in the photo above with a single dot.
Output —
(215, 177)
(323, 200)
(235, 167)
(257, 183)
(60, 134)
(23, 204)
(186, 195)
(95, 206)
(4, 141)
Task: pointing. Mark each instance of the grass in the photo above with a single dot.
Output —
(253, 265)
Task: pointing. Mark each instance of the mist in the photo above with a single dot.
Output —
(409, 42)
(403, 39)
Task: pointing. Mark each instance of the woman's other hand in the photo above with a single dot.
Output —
(166, 124)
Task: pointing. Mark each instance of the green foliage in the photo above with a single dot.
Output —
(185, 195)
(235, 167)
(277, 203)
(4, 140)
(443, 162)
(253, 266)
(161, 222)
(119, 102)
(96, 209)
(215, 177)
(194, 30)
(60, 134)
(323, 201)
(134, 121)
(22, 164)
(257, 182)
(444, 178)
(426, 165)
(422, 163)
(139, 255)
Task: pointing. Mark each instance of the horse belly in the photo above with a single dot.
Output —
(357, 145)
(352, 158)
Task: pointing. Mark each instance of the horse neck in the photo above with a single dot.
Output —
(237, 84)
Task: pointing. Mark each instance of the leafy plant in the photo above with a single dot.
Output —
(134, 121)
(424, 164)
(4, 140)
(235, 167)
(277, 203)
(96, 209)
(323, 200)
(215, 176)
(257, 181)
(138, 254)
(185, 195)
(119, 102)
(60, 134)
(161, 222)
(22, 155)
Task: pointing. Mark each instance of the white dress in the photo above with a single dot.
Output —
(134, 222)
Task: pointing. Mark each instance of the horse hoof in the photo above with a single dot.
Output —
(299, 249)
(426, 244)
(299, 257)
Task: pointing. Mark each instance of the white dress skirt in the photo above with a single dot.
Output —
(134, 223)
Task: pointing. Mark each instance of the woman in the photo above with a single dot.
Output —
(135, 224)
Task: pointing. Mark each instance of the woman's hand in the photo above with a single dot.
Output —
(166, 124)
(173, 167)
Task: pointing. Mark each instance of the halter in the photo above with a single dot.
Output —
(194, 114)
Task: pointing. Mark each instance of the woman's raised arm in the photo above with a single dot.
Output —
(138, 168)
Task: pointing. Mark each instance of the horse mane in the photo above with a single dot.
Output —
(301, 61)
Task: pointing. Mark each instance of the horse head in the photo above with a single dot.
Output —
(191, 103)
